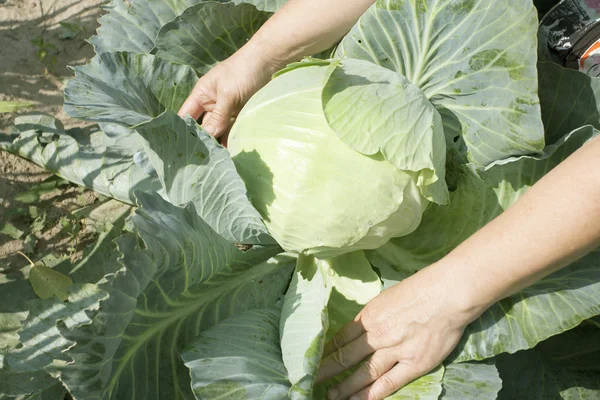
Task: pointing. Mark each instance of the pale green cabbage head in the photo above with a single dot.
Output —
(315, 193)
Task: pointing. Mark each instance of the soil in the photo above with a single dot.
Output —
(35, 50)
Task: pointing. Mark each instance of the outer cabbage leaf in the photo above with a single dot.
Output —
(344, 284)
(522, 320)
(474, 59)
(134, 25)
(208, 33)
(127, 89)
(239, 358)
(193, 167)
(569, 100)
(399, 122)
(30, 337)
(190, 165)
(564, 367)
(25, 385)
(303, 325)
(95, 161)
(40, 342)
(182, 280)
(352, 283)
(471, 381)
(427, 387)
(55, 392)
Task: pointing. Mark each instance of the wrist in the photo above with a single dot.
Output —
(465, 294)
(271, 57)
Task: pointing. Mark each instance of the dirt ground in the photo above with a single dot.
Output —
(38, 39)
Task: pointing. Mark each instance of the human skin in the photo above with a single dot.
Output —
(411, 328)
(294, 32)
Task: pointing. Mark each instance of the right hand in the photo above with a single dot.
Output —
(225, 89)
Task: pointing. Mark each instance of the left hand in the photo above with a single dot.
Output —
(406, 331)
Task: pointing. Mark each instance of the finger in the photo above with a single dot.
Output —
(371, 370)
(206, 117)
(349, 332)
(193, 106)
(398, 377)
(220, 118)
(344, 358)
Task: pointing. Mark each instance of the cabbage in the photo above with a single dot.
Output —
(314, 192)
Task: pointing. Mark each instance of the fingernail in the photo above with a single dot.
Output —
(210, 129)
(333, 394)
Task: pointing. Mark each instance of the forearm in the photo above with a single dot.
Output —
(303, 28)
(555, 223)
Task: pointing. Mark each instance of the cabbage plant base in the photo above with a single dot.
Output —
(170, 308)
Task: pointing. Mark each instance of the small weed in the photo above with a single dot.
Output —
(70, 30)
(46, 52)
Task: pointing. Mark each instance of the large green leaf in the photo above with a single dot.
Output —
(523, 320)
(569, 100)
(471, 381)
(127, 89)
(427, 387)
(183, 279)
(143, 92)
(39, 342)
(134, 25)
(239, 358)
(564, 367)
(353, 283)
(15, 291)
(208, 33)
(474, 59)
(24, 384)
(304, 323)
(193, 167)
(95, 161)
(55, 392)
(399, 122)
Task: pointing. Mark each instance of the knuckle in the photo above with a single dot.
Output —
(218, 115)
(385, 384)
(376, 334)
(414, 360)
(371, 368)
(200, 93)
(416, 363)
(336, 341)
(365, 315)
(340, 357)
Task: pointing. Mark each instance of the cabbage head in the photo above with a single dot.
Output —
(316, 193)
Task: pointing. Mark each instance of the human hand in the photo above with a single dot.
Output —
(407, 331)
(225, 89)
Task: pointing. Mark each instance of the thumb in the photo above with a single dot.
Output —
(219, 120)
(193, 105)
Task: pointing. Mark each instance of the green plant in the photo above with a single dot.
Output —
(14, 106)
(70, 30)
(46, 52)
(160, 311)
